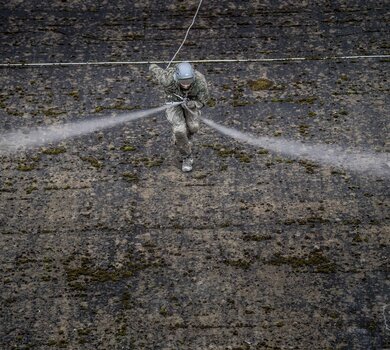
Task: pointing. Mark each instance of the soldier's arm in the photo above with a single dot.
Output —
(203, 94)
(164, 77)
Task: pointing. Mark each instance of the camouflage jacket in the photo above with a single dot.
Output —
(198, 91)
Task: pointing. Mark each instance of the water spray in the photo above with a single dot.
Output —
(376, 164)
(21, 139)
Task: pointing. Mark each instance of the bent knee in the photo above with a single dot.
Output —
(180, 132)
(193, 127)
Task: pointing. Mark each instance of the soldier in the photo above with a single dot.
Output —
(183, 83)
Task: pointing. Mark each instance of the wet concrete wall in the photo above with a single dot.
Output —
(105, 244)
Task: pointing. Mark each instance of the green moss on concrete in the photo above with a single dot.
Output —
(315, 261)
(81, 272)
(75, 94)
(84, 331)
(307, 221)
(93, 161)
(244, 158)
(54, 151)
(99, 109)
(239, 102)
(223, 167)
(306, 100)
(118, 106)
(126, 301)
(257, 238)
(163, 311)
(226, 224)
(130, 177)
(14, 112)
(359, 239)
(212, 102)
(309, 166)
(262, 151)
(30, 189)
(303, 129)
(224, 152)
(97, 274)
(282, 100)
(122, 330)
(148, 162)
(127, 148)
(26, 167)
(52, 112)
(260, 84)
(241, 263)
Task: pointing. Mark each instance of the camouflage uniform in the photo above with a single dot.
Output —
(184, 123)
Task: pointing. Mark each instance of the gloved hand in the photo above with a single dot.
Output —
(153, 65)
(191, 104)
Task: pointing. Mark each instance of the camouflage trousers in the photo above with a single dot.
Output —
(184, 125)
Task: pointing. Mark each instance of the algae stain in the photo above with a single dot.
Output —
(316, 261)
(130, 177)
(93, 162)
(260, 84)
(54, 151)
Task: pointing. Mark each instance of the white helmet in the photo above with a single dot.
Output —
(184, 74)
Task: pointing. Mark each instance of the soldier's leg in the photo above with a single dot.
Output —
(192, 121)
(176, 117)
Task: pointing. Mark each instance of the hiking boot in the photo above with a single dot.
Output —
(187, 164)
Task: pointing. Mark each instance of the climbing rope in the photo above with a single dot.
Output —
(204, 61)
(188, 30)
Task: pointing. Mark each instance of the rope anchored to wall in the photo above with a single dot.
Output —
(185, 37)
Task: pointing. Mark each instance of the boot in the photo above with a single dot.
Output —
(187, 164)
